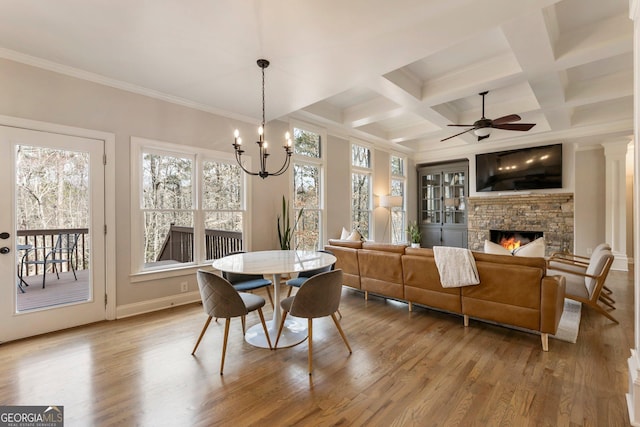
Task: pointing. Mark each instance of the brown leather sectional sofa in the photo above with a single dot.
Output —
(513, 290)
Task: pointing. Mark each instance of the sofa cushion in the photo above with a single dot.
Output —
(532, 249)
(495, 249)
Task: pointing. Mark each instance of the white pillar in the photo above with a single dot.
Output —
(633, 397)
(616, 202)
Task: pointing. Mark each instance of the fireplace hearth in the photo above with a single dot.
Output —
(511, 239)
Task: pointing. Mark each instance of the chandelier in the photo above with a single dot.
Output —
(262, 143)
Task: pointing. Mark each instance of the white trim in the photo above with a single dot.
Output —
(109, 184)
(198, 155)
(117, 84)
(157, 304)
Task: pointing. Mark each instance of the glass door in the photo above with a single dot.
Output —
(52, 251)
(431, 187)
(454, 198)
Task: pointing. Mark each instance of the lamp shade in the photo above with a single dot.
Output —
(390, 201)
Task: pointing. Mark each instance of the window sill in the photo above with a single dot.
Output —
(149, 275)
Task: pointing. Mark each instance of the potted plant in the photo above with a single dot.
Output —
(414, 234)
(285, 231)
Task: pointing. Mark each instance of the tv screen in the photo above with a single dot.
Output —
(521, 169)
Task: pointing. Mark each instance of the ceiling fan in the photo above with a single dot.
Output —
(482, 128)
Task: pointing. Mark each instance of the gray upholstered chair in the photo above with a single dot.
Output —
(586, 286)
(319, 296)
(248, 282)
(305, 275)
(221, 300)
(580, 263)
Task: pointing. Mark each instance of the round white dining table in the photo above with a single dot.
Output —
(274, 264)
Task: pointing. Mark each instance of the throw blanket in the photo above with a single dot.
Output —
(456, 266)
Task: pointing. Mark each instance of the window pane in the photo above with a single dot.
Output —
(222, 186)
(361, 202)
(307, 234)
(306, 179)
(223, 231)
(166, 182)
(168, 236)
(397, 166)
(306, 143)
(57, 180)
(360, 156)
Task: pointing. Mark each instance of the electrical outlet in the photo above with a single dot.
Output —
(184, 287)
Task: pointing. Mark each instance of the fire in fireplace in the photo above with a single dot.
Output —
(512, 240)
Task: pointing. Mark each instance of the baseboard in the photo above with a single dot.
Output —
(149, 306)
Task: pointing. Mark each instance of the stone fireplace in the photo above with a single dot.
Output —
(549, 214)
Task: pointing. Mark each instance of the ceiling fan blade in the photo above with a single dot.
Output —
(506, 119)
(514, 126)
(457, 134)
(461, 125)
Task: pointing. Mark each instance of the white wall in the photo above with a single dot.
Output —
(589, 199)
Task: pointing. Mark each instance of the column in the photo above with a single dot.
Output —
(615, 202)
(633, 396)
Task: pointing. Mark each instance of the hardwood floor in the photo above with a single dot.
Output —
(422, 368)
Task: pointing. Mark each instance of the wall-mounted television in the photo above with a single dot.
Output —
(531, 168)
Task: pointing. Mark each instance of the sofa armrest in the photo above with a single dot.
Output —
(552, 303)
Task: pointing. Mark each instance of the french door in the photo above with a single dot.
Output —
(52, 187)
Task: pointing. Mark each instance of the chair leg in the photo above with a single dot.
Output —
(606, 302)
(270, 299)
(604, 312)
(344, 337)
(280, 328)
(244, 324)
(204, 329)
(264, 326)
(224, 343)
(289, 292)
(310, 327)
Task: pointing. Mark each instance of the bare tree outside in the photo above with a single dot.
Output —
(52, 188)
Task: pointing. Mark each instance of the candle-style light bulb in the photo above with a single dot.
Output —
(236, 133)
(260, 131)
(239, 141)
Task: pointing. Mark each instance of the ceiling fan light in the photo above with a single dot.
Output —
(482, 131)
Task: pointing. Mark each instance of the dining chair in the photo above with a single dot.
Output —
(319, 296)
(221, 300)
(303, 276)
(586, 287)
(63, 252)
(248, 282)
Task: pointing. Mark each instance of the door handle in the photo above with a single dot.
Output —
(4, 235)
(4, 250)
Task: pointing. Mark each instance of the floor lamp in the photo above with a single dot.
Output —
(389, 202)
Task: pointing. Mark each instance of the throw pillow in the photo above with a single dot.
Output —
(355, 236)
(495, 249)
(531, 249)
(345, 234)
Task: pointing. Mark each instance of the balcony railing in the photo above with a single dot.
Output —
(41, 241)
(178, 244)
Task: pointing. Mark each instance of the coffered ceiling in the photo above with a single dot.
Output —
(394, 73)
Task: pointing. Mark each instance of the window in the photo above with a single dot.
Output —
(188, 206)
(398, 187)
(361, 189)
(308, 168)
